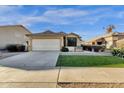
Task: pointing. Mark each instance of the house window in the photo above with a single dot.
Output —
(71, 41)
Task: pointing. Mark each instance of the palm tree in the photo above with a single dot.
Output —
(110, 28)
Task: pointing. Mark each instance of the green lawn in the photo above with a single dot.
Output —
(90, 61)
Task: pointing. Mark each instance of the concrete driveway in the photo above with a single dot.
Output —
(4, 55)
(32, 60)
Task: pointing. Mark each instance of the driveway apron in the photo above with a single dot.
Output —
(32, 60)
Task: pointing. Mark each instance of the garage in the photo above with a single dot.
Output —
(46, 44)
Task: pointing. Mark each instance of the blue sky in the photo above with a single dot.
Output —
(87, 21)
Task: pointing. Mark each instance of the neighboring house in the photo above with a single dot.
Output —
(107, 40)
(50, 40)
(120, 43)
(13, 34)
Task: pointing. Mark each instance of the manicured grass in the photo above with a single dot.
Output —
(90, 61)
(114, 65)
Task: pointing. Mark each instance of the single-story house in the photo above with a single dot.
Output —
(108, 40)
(47, 40)
(14, 34)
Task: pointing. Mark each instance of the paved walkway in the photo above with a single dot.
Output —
(11, 77)
(32, 60)
(87, 53)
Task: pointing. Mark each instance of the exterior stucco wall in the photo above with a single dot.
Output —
(109, 42)
(120, 43)
(62, 42)
(112, 40)
(13, 35)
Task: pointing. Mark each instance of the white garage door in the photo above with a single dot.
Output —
(46, 44)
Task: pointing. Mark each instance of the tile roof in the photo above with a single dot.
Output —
(49, 32)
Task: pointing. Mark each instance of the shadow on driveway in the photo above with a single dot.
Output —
(43, 60)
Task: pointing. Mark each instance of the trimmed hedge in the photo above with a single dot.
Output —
(118, 52)
(15, 48)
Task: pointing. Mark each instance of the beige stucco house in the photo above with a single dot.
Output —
(108, 40)
(49, 40)
(13, 34)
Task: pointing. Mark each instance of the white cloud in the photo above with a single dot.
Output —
(8, 9)
(56, 16)
(66, 16)
(9, 14)
(120, 14)
(69, 12)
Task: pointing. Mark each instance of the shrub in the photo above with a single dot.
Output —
(21, 48)
(118, 52)
(64, 49)
(15, 48)
(114, 52)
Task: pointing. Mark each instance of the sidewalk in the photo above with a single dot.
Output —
(92, 74)
(16, 78)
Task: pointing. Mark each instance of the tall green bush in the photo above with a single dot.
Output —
(118, 52)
